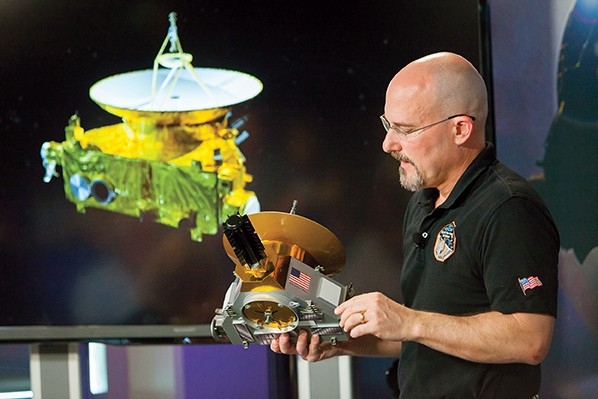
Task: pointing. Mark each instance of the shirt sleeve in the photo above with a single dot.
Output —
(520, 256)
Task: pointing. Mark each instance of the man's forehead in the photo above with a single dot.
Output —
(408, 94)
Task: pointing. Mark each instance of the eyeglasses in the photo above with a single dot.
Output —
(406, 135)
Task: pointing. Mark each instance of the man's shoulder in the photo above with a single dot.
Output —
(503, 180)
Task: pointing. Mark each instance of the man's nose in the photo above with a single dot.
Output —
(391, 142)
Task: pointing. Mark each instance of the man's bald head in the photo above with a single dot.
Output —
(442, 84)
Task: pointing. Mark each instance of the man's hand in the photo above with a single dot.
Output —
(309, 348)
(377, 315)
(312, 349)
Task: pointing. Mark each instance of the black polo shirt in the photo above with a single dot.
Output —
(492, 245)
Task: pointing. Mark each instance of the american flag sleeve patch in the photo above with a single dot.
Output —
(528, 283)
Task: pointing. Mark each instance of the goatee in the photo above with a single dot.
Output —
(409, 183)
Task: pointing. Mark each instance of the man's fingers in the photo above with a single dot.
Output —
(303, 344)
(314, 345)
(275, 346)
(285, 344)
(308, 347)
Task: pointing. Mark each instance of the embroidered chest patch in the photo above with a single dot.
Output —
(446, 240)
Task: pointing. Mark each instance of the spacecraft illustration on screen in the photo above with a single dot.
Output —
(174, 158)
(283, 263)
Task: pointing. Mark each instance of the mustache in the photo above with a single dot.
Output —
(400, 157)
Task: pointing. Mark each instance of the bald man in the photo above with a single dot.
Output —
(479, 278)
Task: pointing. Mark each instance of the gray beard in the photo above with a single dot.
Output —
(413, 183)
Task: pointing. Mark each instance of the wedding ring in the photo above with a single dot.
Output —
(362, 317)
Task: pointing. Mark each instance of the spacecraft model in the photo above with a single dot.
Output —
(174, 158)
(282, 266)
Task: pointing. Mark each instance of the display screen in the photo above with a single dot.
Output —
(314, 137)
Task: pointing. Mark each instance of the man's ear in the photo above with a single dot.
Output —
(463, 130)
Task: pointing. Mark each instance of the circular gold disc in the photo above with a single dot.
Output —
(270, 314)
(290, 229)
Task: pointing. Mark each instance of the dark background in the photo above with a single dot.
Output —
(315, 137)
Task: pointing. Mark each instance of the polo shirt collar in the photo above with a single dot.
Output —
(477, 166)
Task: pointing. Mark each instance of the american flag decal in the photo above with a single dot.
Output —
(527, 283)
(299, 279)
